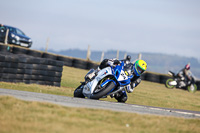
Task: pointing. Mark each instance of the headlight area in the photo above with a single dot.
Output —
(12, 35)
(15, 39)
(15, 36)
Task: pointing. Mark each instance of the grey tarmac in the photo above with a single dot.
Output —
(98, 104)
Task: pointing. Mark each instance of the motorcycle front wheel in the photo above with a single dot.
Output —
(167, 84)
(192, 88)
(104, 91)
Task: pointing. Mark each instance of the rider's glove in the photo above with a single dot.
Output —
(129, 89)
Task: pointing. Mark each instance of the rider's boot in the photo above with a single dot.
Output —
(121, 96)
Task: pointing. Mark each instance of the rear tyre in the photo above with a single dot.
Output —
(79, 92)
(168, 85)
(122, 98)
(192, 88)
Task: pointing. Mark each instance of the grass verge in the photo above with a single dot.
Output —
(19, 116)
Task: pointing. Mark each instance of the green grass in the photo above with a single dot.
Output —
(19, 116)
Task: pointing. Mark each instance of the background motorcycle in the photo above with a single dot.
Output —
(175, 81)
(108, 82)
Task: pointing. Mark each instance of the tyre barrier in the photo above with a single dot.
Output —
(67, 60)
(5, 49)
(198, 85)
(143, 76)
(152, 77)
(43, 59)
(163, 79)
(155, 77)
(22, 68)
(79, 63)
(49, 56)
(18, 50)
(91, 65)
(34, 53)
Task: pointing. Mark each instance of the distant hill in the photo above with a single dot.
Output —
(160, 63)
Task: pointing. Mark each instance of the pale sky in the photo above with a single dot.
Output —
(155, 26)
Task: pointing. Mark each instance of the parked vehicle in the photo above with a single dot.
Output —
(109, 81)
(175, 81)
(15, 36)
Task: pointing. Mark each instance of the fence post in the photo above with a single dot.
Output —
(102, 56)
(6, 37)
(125, 55)
(47, 43)
(88, 53)
(139, 56)
(117, 54)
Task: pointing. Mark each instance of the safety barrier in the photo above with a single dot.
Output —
(19, 67)
(155, 77)
(74, 62)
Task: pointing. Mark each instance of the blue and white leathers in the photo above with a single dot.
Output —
(118, 76)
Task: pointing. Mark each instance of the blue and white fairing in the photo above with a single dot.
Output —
(121, 79)
(122, 76)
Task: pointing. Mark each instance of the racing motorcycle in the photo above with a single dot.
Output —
(109, 81)
(175, 81)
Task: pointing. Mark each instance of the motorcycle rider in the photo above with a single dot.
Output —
(184, 75)
(127, 60)
(136, 69)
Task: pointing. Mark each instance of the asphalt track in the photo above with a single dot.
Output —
(97, 104)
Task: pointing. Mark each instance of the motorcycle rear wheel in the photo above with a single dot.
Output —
(104, 91)
(192, 88)
(167, 84)
(121, 97)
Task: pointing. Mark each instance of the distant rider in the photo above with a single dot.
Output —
(185, 75)
(127, 60)
(136, 69)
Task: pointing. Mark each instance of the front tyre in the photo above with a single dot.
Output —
(103, 92)
(167, 84)
(79, 92)
(192, 88)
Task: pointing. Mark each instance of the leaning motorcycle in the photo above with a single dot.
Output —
(109, 81)
(175, 81)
